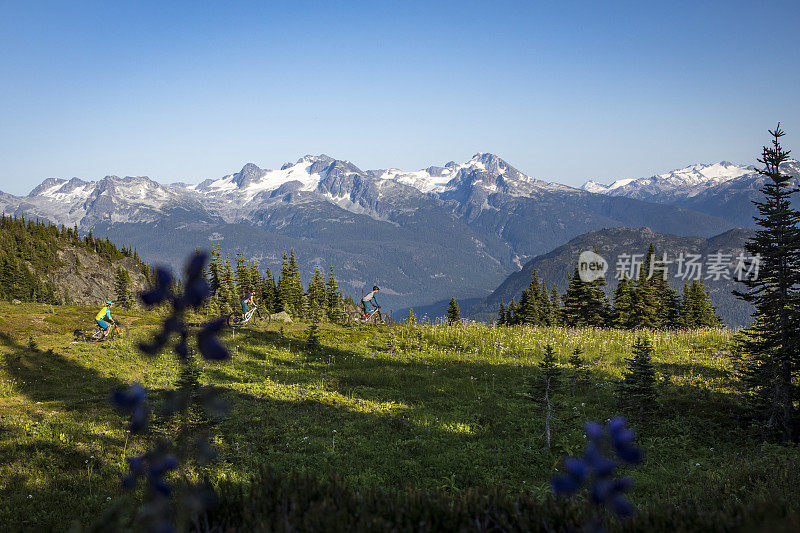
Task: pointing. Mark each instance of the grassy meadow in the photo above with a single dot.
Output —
(434, 408)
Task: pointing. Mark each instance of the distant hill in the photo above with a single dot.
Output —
(40, 262)
(556, 266)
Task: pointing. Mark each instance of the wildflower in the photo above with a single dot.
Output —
(207, 343)
(161, 291)
(604, 489)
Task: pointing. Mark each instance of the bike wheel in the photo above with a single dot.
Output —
(234, 320)
(259, 320)
(384, 319)
(354, 318)
(92, 335)
(120, 332)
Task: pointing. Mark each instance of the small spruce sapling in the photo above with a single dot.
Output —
(541, 389)
(637, 390)
(578, 369)
(453, 312)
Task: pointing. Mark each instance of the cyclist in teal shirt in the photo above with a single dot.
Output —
(247, 301)
(370, 297)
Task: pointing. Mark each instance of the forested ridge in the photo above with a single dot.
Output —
(29, 257)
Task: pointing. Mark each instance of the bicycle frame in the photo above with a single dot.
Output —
(370, 315)
(249, 314)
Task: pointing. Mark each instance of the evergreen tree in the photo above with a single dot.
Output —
(317, 295)
(572, 310)
(624, 303)
(555, 308)
(270, 293)
(334, 297)
(122, 289)
(578, 369)
(530, 308)
(545, 387)
(313, 343)
(597, 309)
(297, 301)
(258, 284)
(645, 299)
(637, 390)
(244, 283)
(546, 306)
(215, 268)
(696, 309)
(227, 299)
(667, 305)
(285, 284)
(771, 346)
(585, 304)
(453, 312)
(501, 315)
(512, 314)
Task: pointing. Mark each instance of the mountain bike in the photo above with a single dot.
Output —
(375, 317)
(253, 315)
(98, 334)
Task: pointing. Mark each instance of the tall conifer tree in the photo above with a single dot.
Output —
(772, 344)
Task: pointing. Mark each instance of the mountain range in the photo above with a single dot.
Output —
(452, 230)
(725, 190)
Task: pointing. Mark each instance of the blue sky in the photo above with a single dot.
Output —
(564, 91)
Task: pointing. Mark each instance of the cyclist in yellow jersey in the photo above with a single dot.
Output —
(103, 315)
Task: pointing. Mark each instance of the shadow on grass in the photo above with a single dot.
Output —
(47, 376)
(436, 426)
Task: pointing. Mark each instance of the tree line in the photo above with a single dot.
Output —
(320, 300)
(645, 302)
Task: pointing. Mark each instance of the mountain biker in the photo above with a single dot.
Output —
(247, 301)
(103, 315)
(370, 297)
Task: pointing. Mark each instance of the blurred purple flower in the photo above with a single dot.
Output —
(598, 470)
(129, 398)
(194, 268)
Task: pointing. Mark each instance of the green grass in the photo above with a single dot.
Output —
(423, 407)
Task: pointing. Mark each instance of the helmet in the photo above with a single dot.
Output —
(376, 288)
(109, 302)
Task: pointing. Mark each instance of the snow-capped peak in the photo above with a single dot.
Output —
(688, 179)
(252, 180)
(593, 186)
(482, 170)
(697, 174)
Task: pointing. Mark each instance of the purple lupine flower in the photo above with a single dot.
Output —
(129, 398)
(157, 463)
(208, 344)
(599, 470)
(161, 291)
(194, 268)
(196, 293)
